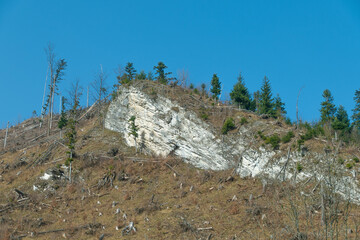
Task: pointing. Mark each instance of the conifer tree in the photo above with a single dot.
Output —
(328, 108)
(215, 86)
(203, 86)
(341, 121)
(356, 111)
(141, 75)
(240, 94)
(130, 71)
(162, 76)
(279, 107)
(63, 120)
(150, 76)
(266, 103)
(133, 129)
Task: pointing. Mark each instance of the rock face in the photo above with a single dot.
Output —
(167, 128)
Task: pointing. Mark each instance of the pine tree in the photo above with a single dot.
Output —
(266, 103)
(279, 107)
(133, 129)
(240, 94)
(150, 76)
(328, 108)
(130, 71)
(215, 87)
(162, 76)
(63, 120)
(141, 75)
(203, 86)
(356, 111)
(341, 121)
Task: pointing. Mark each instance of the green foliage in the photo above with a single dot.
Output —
(215, 86)
(262, 136)
(279, 107)
(150, 76)
(356, 159)
(204, 116)
(162, 76)
(130, 71)
(274, 141)
(287, 138)
(341, 161)
(191, 86)
(341, 121)
(196, 91)
(63, 120)
(328, 108)
(266, 103)
(356, 111)
(299, 167)
(133, 128)
(288, 121)
(349, 165)
(243, 121)
(240, 94)
(141, 75)
(229, 124)
(203, 86)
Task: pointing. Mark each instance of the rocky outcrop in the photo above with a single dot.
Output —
(165, 127)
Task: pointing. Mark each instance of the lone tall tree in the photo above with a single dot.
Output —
(162, 76)
(133, 130)
(130, 71)
(356, 111)
(266, 103)
(215, 86)
(240, 94)
(70, 135)
(328, 108)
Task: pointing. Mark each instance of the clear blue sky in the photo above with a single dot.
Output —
(308, 43)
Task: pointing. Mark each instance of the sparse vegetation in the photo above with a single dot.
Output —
(229, 124)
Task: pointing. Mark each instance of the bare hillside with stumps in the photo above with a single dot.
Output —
(165, 162)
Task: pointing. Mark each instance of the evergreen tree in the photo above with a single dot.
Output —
(215, 87)
(356, 111)
(133, 129)
(141, 75)
(266, 103)
(240, 94)
(279, 107)
(150, 76)
(162, 76)
(341, 121)
(328, 108)
(63, 120)
(130, 71)
(255, 104)
(203, 86)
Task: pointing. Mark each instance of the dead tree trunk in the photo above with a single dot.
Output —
(6, 134)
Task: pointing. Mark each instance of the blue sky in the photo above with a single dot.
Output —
(315, 44)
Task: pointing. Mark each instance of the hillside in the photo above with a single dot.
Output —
(184, 180)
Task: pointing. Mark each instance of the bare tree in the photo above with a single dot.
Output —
(183, 77)
(100, 89)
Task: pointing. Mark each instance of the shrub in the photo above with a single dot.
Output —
(288, 121)
(355, 159)
(191, 86)
(262, 136)
(299, 167)
(349, 165)
(196, 91)
(204, 116)
(274, 141)
(341, 161)
(228, 125)
(243, 121)
(287, 137)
